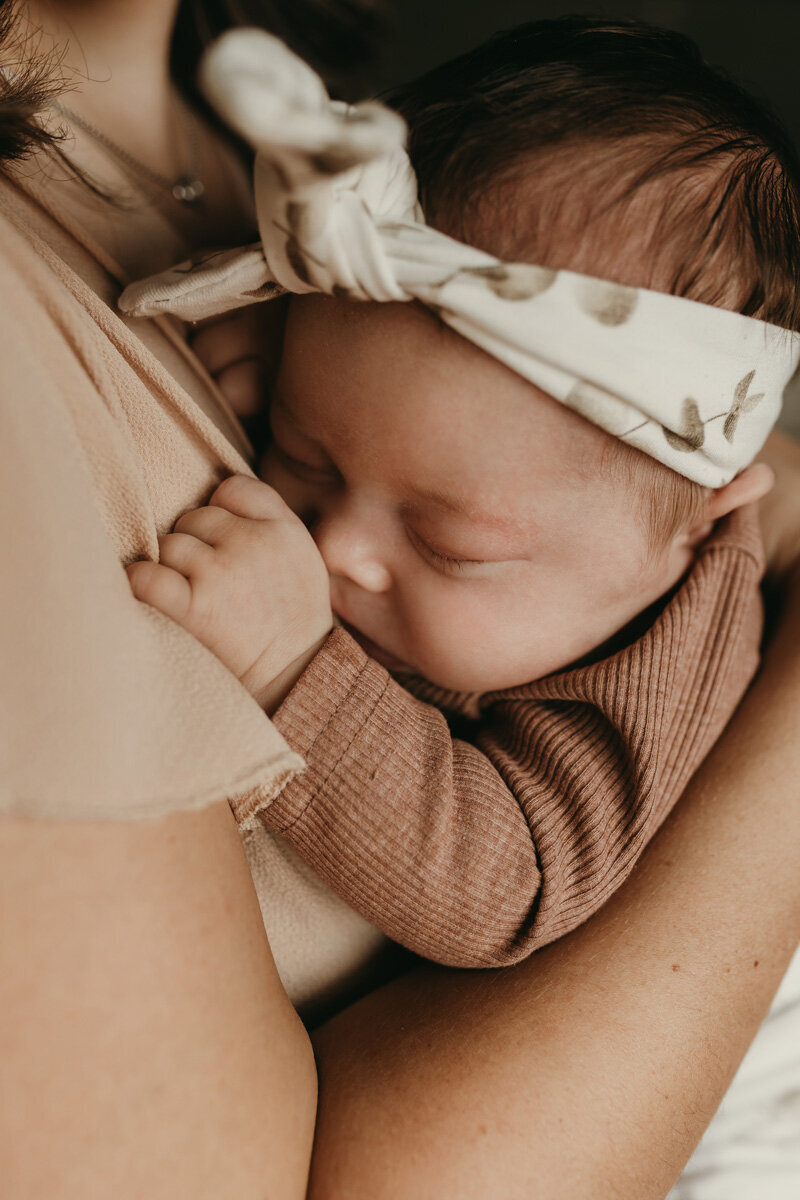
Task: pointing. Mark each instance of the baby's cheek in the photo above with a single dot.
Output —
(455, 641)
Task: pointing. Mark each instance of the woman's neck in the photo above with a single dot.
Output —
(116, 59)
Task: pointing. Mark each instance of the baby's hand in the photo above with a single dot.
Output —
(244, 577)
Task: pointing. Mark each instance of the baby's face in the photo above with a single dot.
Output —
(468, 525)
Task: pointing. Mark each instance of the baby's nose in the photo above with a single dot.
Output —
(369, 576)
(353, 553)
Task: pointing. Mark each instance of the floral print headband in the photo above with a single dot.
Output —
(696, 387)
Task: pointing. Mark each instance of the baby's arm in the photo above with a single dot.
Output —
(470, 854)
(477, 854)
(449, 867)
(416, 829)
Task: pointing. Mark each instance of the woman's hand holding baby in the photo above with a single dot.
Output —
(240, 350)
(780, 512)
(244, 577)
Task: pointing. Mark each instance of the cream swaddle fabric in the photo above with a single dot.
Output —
(694, 386)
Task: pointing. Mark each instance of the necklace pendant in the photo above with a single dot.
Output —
(189, 189)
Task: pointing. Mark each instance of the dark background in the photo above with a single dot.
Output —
(757, 41)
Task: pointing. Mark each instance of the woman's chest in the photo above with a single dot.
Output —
(160, 451)
(150, 448)
(156, 434)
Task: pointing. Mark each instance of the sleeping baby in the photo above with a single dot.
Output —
(499, 582)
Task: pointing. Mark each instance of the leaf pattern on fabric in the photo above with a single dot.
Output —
(517, 281)
(331, 162)
(297, 260)
(692, 434)
(266, 289)
(729, 428)
(740, 397)
(192, 265)
(303, 223)
(609, 303)
(294, 216)
(364, 236)
(742, 403)
(283, 180)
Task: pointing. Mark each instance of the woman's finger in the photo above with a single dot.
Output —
(244, 385)
(231, 338)
(780, 509)
(161, 588)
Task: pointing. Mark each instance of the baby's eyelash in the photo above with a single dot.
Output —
(305, 471)
(450, 564)
(443, 561)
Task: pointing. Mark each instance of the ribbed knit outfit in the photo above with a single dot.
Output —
(476, 849)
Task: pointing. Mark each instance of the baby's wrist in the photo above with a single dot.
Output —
(271, 695)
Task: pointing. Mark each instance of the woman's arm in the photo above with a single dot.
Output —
(593, 1068)
(149, 1048)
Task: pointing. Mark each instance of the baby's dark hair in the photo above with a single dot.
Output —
(632, 106)
(612, 148)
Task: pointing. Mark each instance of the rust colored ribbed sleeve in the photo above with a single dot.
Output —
(476, 852)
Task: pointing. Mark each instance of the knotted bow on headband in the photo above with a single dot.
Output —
(694, 386)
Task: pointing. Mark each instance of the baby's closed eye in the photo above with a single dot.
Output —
(308, 472)
(447, 563)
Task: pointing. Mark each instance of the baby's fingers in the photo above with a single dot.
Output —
(161, 587)
(247, 497)
(184, 553)
(211, 524)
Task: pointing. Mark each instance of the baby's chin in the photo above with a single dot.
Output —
(445, 680)
(378, 653)
(462, 678)
(481, 678)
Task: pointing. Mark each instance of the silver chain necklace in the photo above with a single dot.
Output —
(188, 189)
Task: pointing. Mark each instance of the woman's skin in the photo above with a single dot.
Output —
(115, 58)
(150, 1049)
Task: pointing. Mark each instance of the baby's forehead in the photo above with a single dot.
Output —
(511, 470)
(400, 374)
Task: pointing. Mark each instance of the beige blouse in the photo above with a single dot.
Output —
(110, 710)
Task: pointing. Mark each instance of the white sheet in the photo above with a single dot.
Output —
(751, 1150)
